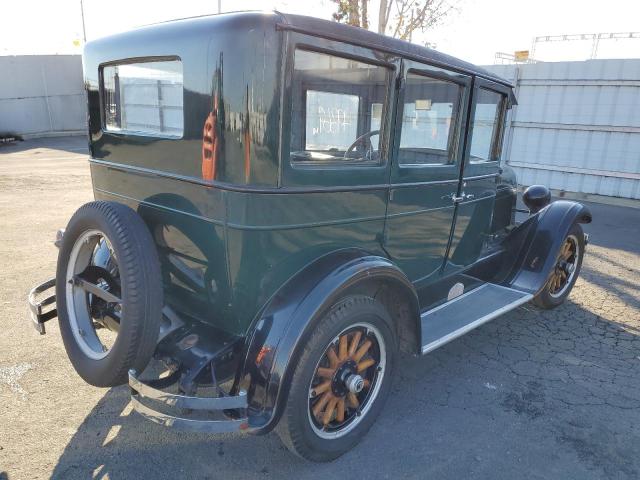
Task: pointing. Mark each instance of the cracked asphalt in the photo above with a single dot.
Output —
(533, 394)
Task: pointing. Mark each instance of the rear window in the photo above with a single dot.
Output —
(144, 98)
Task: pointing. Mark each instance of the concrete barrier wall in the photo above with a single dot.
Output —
(42, 95)
(576, 127)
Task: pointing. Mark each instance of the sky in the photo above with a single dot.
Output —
(475, 32)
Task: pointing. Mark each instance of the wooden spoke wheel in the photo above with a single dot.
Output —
(346, 381)
(341, 379)
(565, 271)
(565, 268)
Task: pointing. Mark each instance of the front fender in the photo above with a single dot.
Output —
(289, 318)
(536, 242)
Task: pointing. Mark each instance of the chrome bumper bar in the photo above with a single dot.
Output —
(178, 407)
(42, 297)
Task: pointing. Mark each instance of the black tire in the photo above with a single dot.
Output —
(545, 299)
(295, 429)
(141, 292)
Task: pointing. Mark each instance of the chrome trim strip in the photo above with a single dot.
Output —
(183, 401)
(480, 177)
(470, 326)
(205, 426)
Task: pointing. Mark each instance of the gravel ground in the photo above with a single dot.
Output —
(533, 394)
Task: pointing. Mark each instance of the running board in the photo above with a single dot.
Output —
(446, 322)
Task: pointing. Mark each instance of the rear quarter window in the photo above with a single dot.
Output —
(143, 98)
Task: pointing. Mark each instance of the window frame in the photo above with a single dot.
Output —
(497, 135)
(436, 174)
(101, 95)
(387, 111)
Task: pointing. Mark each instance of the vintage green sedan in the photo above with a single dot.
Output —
(282, 205)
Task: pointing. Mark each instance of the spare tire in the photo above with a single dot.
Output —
(108, 292)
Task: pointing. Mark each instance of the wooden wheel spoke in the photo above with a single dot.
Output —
(361, 351)
(354, 343)
(350, 353)
(333, 358)
(328, 413)
(362, 366)
(317, 408)
(326, 372)
(340, 411)
(323, 387)
(342, 353)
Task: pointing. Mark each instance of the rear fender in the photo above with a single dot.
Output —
(536, 242)
(282, 329)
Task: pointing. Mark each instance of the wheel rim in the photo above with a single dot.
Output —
(565, 268)
(346, 380)
(92, 293)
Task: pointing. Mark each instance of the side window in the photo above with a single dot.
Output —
(429, 120)
(338, 108)
(487, 126)
(144, 98)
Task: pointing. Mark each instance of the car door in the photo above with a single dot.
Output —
(425, 173)
(481, 171)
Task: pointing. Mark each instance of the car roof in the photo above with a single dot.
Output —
(344, 33)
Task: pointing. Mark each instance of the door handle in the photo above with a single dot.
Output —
(455, 199)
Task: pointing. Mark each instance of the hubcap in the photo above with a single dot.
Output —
(565, 268)
(347, 380)
(93, 294)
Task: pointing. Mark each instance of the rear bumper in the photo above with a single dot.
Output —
(180, 411)
(42, 297)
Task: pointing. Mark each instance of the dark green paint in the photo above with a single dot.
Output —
(228, 245)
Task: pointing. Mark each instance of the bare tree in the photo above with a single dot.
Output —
(397, 18)
(383, 15)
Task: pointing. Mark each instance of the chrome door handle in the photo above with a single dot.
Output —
(455, 199)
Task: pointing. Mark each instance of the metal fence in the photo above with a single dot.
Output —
(576, 127)
(42, 95)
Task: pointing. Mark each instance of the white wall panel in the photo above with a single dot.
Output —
(42, 94)
(576, 126)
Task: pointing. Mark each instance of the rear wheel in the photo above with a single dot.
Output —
(108, 293)
(341, 380)
(565, 272)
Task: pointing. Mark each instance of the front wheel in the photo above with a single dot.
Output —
(565, 272)
(341, 380)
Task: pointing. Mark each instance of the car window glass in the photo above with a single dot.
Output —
(429, 118)
(144, 98)
(337, 109)
(486, 126)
